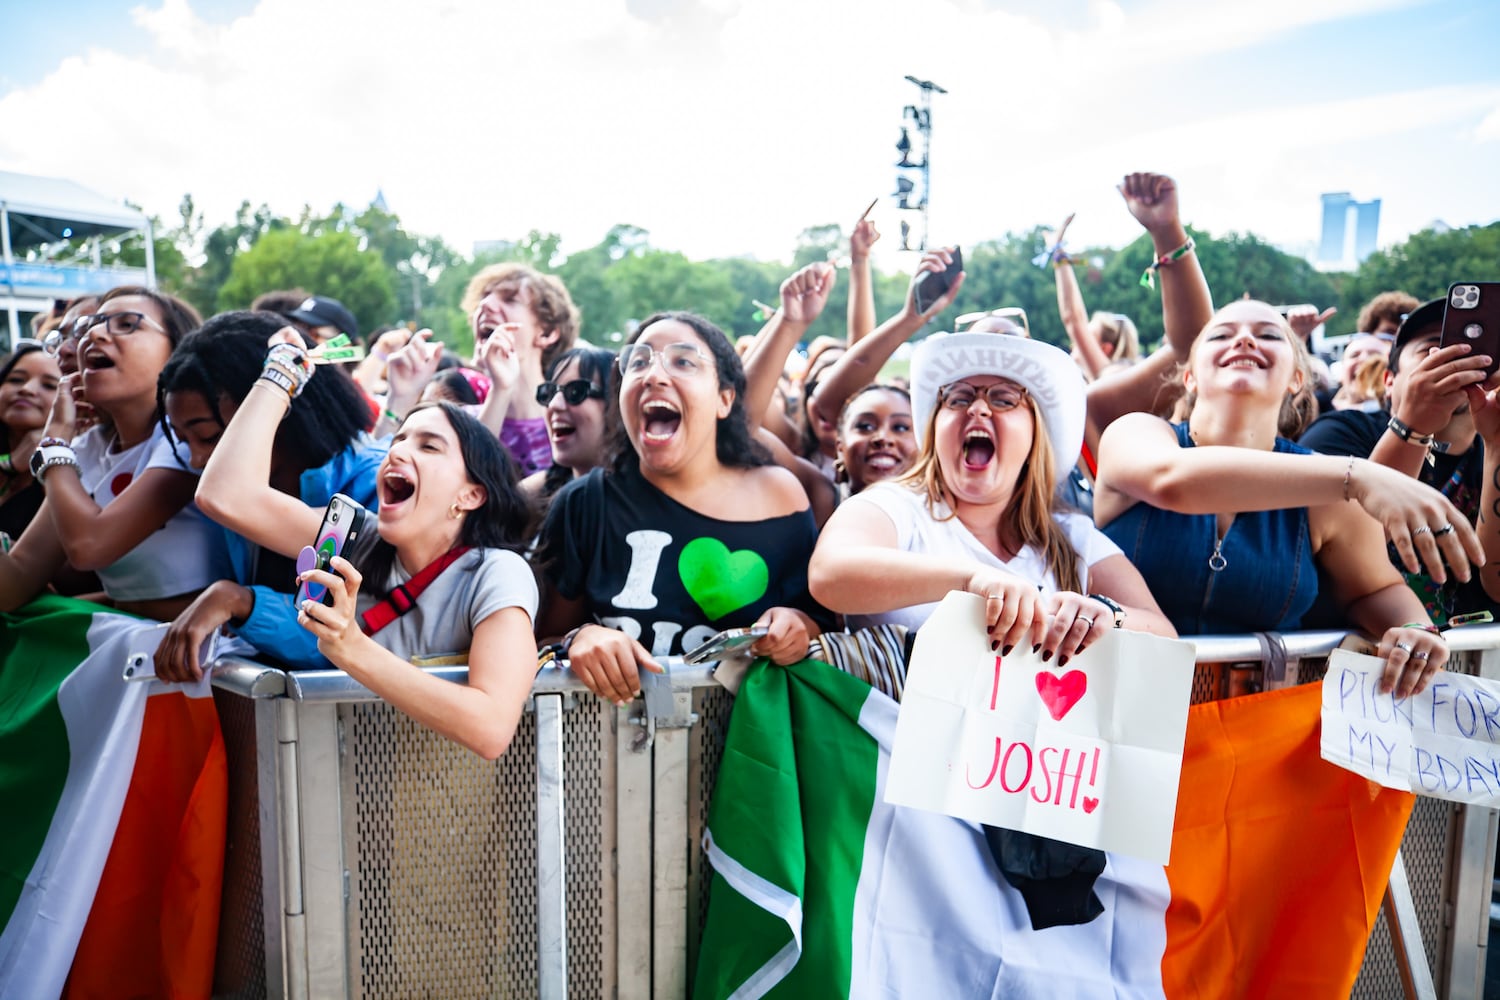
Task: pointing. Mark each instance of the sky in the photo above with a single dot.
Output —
(725, 127)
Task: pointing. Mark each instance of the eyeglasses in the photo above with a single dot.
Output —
(573, 392)
(1001, 397)
(119, 324)
(677, 360)
(1015, 314)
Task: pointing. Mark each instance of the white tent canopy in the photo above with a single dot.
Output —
(52, 204)
(36, 212)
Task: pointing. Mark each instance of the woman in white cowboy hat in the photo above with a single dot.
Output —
(998, 417)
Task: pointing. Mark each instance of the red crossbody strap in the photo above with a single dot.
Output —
(404, 597)
(1088, 460)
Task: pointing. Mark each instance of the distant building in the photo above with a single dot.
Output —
(1343, 246)
(493, 246)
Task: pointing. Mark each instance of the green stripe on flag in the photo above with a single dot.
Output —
(793, 737)
(40, 644)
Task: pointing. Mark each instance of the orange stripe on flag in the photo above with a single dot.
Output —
(153, 927)
(1279, 858)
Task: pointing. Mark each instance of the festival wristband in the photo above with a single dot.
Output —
(281, 380)
(1148, 276)
(1472, 618)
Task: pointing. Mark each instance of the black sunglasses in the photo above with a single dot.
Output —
(573, 392)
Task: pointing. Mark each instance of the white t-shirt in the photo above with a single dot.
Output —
(919, 531)
(183, 555)
(478, 584)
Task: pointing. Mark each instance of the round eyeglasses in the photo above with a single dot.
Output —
(677, 360)
(1000, 397)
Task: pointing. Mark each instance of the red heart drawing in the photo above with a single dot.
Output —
(1089, 805)
(1060, 694)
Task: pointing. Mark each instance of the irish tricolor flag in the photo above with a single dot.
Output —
(115, 793)
(1279, 861)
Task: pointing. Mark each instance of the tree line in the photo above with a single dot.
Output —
(386, 275)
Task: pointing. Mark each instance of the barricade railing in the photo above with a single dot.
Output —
(370, 857)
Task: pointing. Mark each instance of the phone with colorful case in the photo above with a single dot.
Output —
(347, 530)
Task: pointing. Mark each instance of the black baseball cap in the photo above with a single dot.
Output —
(1419, 321)
(316, 310)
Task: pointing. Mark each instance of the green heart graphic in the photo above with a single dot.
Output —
(720, 581)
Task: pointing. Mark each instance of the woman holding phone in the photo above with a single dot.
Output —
(453, 525)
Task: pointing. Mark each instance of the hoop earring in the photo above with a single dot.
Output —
(453, 512)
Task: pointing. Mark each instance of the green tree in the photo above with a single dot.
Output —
(332, 263)
(1424, 265)
(645, 283)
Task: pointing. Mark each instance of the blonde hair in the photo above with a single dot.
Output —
(1031, 505)
(1117, 329)
(1369, 377)
(1298, 409)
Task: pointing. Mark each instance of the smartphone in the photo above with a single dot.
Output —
(726, 642)
(347, 530)
(933, 285)
(1472, 316)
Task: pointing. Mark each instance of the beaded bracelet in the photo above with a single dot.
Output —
(1148, 276)
(1348, 473)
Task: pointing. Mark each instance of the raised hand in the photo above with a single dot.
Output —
(1152, 199)
(498, 357)
(1435, 388)
(864, 237)
(410, 369)
(1304, 319)
(805, 293)
(935, 261)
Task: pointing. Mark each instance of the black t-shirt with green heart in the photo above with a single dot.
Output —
(666, 574)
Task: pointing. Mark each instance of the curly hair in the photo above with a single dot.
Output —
(224, 358)
(1387, 307)
(547, 296)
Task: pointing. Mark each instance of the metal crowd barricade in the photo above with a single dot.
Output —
(370, 857)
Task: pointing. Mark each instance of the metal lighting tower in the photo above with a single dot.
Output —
(913, 178)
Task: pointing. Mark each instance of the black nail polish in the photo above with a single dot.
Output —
(1007, 649)
(1047, 656)
(994, 645)
(1035, 647)
(1062, 661)
(989, 628)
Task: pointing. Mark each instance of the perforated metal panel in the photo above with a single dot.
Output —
(441, 850)
(713, 706)
(240, 962)
(588, 773)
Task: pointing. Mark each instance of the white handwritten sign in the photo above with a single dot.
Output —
(1089, 753)
(1444, 742)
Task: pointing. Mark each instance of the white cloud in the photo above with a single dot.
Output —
(722, 127)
